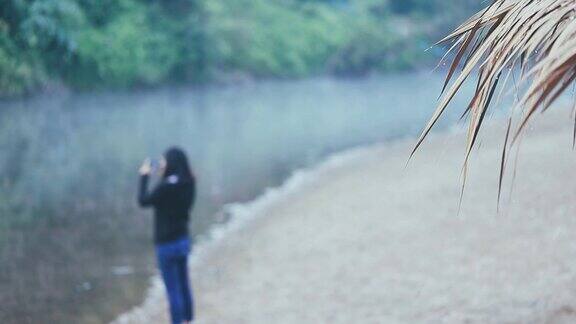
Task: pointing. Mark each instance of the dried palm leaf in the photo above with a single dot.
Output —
(536, 36)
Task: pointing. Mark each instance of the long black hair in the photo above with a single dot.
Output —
(177, 165)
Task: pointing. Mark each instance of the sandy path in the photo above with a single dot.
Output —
(369, 242)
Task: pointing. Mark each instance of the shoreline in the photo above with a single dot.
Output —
(483, 268)
(244, 214)
(355, 115)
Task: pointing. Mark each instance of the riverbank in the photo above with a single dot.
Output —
(361, 239)
(242, 139)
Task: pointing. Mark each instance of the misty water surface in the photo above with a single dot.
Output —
(68, 172)
(240, 138)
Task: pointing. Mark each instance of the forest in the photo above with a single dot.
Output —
(122, 44)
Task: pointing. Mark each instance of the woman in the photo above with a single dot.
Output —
(172, 200)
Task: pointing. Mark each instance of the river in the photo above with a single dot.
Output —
(68, 170)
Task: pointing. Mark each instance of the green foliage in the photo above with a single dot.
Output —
(18, 73)
(433, 7)
(123, 43)
(100, 12)
(50, 25)
(36, 39)
(124, 52)
(368, 46)
(408, 6)
(269, 38)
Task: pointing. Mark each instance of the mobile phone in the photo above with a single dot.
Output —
(154, 164)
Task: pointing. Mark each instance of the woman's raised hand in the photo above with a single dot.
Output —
(146, 167)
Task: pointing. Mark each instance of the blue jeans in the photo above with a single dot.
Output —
(173, 263)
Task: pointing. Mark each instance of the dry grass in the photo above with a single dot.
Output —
(535, 37)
